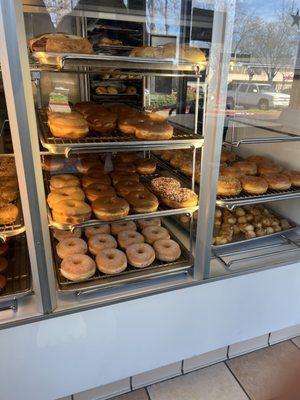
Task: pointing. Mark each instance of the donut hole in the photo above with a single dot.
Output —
(70, 244)
(131, 235)
(140, 251)
(111, 256)
(155, 232)
(71, 204)
(167, 245)
(76, 262)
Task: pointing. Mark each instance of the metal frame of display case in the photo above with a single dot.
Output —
(24, 120)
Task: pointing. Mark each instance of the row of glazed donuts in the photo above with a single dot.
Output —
(138, 249)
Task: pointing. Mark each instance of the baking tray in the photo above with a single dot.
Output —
(130, 275)
(116, 142)
(18, 272)
(74, 60)
(145, 179)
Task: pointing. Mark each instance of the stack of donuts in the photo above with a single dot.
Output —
(246, 223)
(9, 191)
(112, 248)
(90, 116)
(182, 160)
(4, 248)
(256, 175)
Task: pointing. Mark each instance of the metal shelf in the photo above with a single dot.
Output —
(18, 271)
(116, 142)
(270, 126)
(287, 243)
(244, 199)
(130, 275)
(100, 61)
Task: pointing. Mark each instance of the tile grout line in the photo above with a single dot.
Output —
(147, 393)
(291, 340)
(236, 379)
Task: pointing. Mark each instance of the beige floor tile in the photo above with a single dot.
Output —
(265, 372)
(211, 383)
(296, 340)
(136, 395)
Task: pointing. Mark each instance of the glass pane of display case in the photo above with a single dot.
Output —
(120, 112)
(15, 270)
(256, 217)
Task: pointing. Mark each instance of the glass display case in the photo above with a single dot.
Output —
(156, 122)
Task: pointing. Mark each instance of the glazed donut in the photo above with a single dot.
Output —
(8, 194)
(124, 158)
(110, 209)
(232, 172)
(267, 168)
(144, 223)
(247, 168)
(68, 126)
(95, 178)
(68, 192)
(71, 211)
(69, 246)
(142, 201)
(112, 89)
(140, 255)
(125, 187)
(84, 165)
(77, 267)
(163, 185)
(8, 167)
(3, 264)
(152, 130)
(61, 234)
(118, 227)
(52, 164)
(277, 181)
(102, 123)
(63, 180)
(127, 124)
(228, 186)
(101, 241)
(125, 167)
(9, 183)
(111, 261)
(120, 108)
(8, 214)
(254, 184)
(94, 230)
(131, 90)
(98, 191)
(123, 176)
(186, 166)
(294, 177)
(3, 281)
(166, 155)
(154, 233)
(127, 238)
(145, 166)
(101, 90)
(227, 156)
(155, 116)
(3, 249)
(180, 198)
(167, 250)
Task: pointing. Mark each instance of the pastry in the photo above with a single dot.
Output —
(228, 186)
(254, 184)
(60, 43)
(111, 261)
(77, 267)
